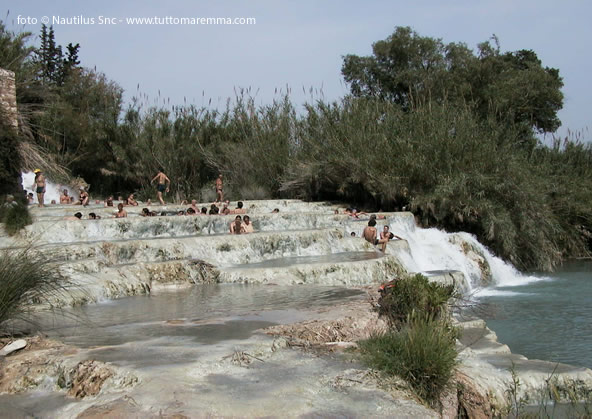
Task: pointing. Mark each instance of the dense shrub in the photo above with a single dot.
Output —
(414, 294)
(26, 277)
(423, 353)
(15, 218)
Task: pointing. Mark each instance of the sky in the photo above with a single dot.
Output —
(298, 46)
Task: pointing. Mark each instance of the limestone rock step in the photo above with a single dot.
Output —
(68, 231)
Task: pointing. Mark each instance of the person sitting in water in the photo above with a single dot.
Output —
(194, 206)
(353, 234)
(83, 197)
(30, 198)
(239, 208)
(121, 213)
(236, 227)
(76, 217)
(204, 211)
(131, 200)
(226, 211)
(214, 209)
(109, 201)
(190, 211)
(93, 216)
(386, 234)
(247, 224)
(64, 198)
(370, 234)
(275, 211)
(53, 202)
(180, 212)
(354, 213)
(145, 212)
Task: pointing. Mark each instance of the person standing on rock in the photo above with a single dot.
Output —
(164, 184)
(39, 186)
(219, 186)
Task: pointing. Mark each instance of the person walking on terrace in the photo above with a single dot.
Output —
(219, 186)
(163, 185)
(39, 186)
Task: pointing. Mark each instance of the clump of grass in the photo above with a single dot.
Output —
(15, 218)
(26, 277)
(414, 294)
(420, 345)
(423, 353)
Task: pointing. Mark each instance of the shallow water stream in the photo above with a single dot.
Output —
(202, 315)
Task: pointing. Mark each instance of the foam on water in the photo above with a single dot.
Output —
(52, 190)
(433, 249)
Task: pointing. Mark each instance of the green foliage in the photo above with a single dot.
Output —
(15, 218)
(411, 70)
(26, 277)
(10, 161)
(453, 170)
(423, 353)
(414, 294)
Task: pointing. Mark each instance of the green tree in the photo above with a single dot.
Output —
(409, 69)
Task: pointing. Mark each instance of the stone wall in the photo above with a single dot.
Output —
(8, 96)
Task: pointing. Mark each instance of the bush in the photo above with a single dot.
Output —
(414, 294)
(26, 278)
(15, 218)
(423, 353)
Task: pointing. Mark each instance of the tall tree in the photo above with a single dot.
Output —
(408, 69)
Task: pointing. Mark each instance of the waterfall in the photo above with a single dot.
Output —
(433, 249)
(52, 190)
(314, 243)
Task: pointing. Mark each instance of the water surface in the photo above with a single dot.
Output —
(548, 319)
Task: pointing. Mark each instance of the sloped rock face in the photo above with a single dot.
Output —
(476, 256)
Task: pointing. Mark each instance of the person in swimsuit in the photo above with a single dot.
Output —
(163, 185)
(83, 200)
(39, 186)
(247, 224)
(219, 186)
(386, 234)
(131, 200)
(239, 208)
(121, 213)
(370, 234)
(236, 227)
(109, 201)
(75, 217)
(64, 198)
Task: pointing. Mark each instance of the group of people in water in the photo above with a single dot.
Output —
(240, 225)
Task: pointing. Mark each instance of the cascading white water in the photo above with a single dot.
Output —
(433, 249)
(52, 190)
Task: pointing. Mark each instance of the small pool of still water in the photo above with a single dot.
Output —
(549, 319)
(204, 314)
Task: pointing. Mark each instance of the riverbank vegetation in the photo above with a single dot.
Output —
(420, 345)
(26, 277)
(438, 129)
